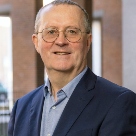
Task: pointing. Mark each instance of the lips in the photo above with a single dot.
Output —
(61, 53)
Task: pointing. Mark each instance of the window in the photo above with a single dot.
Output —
(45, 2)
(6, 61)
(96, 47)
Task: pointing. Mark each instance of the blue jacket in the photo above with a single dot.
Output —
(97, 107)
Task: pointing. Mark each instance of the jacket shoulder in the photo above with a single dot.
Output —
(31, 94)
(25, 101)
(108, 91)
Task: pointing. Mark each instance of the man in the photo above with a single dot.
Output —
(73, 101)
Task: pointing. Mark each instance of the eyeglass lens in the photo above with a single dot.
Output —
(71, 34)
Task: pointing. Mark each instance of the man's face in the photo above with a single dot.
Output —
(62, 55)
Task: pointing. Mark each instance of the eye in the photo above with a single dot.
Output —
(72, 31)
(51, 32)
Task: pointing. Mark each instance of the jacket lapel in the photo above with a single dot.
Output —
(81, 96)
(36, 113)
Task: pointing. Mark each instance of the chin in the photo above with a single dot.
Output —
(63, 69)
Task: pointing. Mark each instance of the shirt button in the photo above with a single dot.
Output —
(54, 107)
(48, 135)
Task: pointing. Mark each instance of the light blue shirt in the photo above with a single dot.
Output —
(52, 109)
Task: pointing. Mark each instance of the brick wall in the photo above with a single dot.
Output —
(27, 67)
(24, 55)
(110, 12)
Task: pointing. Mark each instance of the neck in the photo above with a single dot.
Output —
(59, 79)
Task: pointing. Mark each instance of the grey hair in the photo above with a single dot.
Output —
(59, 2)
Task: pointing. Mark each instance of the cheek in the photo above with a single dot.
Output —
(80, 53)
(44, 53)
(82, 48)
(44, 48)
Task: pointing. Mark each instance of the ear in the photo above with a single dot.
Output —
(89, 41)
(35, 41)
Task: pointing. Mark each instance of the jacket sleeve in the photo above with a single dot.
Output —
(121, 117)
(12, 120)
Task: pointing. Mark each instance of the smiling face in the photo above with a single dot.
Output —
(62, 55)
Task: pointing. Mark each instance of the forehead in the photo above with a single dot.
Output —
(63, 14)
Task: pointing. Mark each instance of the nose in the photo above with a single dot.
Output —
(61, 39)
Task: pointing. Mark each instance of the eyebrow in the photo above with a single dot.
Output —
(58, 28)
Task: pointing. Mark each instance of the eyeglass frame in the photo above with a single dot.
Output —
(63, 33)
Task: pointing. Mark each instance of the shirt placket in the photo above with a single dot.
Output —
(53, 111)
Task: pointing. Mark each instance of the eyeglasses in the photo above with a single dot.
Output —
(71, 34)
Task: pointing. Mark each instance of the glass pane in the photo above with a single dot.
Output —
(96, 47)
(5, 65)
(45, 2)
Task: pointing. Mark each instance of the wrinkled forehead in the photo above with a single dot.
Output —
(67, 7)
(61, 10)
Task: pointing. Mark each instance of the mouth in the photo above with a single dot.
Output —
(61, 53)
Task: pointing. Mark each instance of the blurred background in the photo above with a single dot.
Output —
(112, 54)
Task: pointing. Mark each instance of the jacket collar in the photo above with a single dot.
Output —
(82, 95)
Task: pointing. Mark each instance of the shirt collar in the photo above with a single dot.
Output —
(47, 87)
(69, 88)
